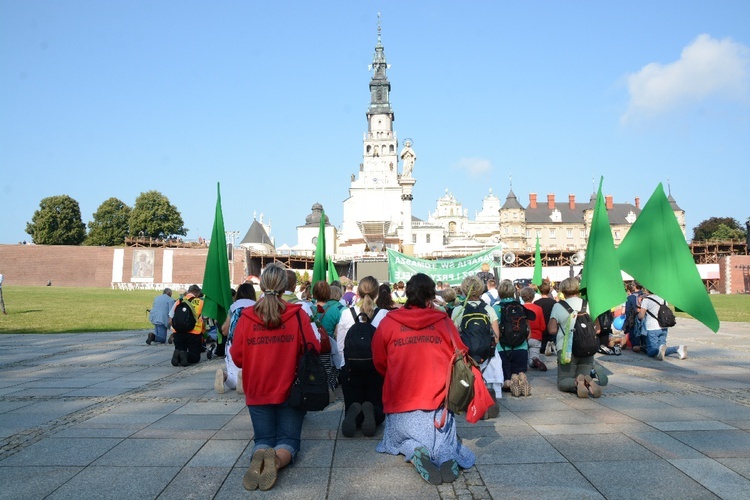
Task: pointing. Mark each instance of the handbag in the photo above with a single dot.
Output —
(309, 391)
(459, 383)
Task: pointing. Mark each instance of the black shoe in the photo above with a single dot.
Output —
(170, 340)
(183, 357)
(492, 412)
(368, 424)
(349, 425)
(449, 471)
(150, 338)
(176, 358)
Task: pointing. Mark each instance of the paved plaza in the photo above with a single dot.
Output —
(106, 416)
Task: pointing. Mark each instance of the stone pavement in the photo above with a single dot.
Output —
(106, 416)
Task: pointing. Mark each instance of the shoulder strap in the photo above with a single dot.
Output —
(566, 306)
(654, 301)
(354, 315)
(583, 307)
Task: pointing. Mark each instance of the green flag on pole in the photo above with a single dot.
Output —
(655, 253)
(333, 275)
(319, 267)
(537, 279)
(601, 279)
(216, 285)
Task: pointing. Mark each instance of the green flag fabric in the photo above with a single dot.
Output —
(655, 253)
(537, 279)
(333, 275)
(216, 285)
(601, 279)
(319, 266)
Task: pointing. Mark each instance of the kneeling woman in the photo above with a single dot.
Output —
(267, 345)
(412, 348)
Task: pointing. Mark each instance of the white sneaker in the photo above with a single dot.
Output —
(662, 350)
(240, 389)
(682, 351)
(548, 349)
(219, 381)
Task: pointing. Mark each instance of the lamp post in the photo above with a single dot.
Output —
(231, 235)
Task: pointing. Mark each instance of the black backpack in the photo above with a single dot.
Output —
(664, 316)
(605, 321)
(476, 331)
(309, 391)
(514, 327)
(358, 341)
(585, 340)
(183, 320)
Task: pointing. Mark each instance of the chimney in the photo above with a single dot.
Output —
(637, 202)
(532, 200)
(551, 201)
(572, 201)
(610, 203)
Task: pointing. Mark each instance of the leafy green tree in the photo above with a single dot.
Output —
(725, 233)
(110, 224)
(706, 230)
(57, 222)
(154, 216)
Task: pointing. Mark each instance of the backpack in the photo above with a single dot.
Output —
(309, 391)
(605, 321)
(183, 320)
(514, 327)
(585, 340)
(358, 341)
(664, 316)
(233, 322)
(629, 325)
(476, 331)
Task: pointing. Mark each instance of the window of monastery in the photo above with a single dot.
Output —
(570, 233)
(515, 230)
(538, 233)
(553, 233)
(617, 235)
(505, 230)
(427, 238)
(515, 216)
(413, 238)
(515, 244)
(555, 216)
(528, 233)
(583, 233)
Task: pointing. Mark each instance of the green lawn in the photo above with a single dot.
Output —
(34, 309)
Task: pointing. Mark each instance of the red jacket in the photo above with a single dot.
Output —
(412, 349)
(538, 325)
(268, 358)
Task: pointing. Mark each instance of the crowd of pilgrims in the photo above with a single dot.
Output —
(401, 383)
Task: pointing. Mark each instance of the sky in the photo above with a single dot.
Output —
(116, 98)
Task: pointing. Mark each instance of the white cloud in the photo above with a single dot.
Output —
(474, 166)
(706, 68)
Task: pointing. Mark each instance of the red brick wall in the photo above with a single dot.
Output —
(734, 272)
(92, 266)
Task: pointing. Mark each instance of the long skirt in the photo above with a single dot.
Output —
(404, 432)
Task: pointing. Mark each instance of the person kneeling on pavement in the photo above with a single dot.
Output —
(187, 323)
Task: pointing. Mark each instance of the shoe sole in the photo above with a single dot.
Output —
(368, 424)
(176, 358)
(524, 384)
(581, 390)
(449, 471)
(240, 388)
(660, 354)
(219, 381)
(269, 473)
(349, 425)
(183, 358)
(515, 386)
(601, 376)
(251, 480)
(593, 387)
(425, 467)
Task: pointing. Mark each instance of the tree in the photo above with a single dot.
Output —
(707, 230)
(110, 224)
(57, 222)
(154, 216)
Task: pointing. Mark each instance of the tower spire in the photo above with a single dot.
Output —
(380, 87)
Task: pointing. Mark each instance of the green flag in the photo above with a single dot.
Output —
(537, 279)
(601, 279)
(319, 267)
(216, 285)
(655, 253)
(333, 275)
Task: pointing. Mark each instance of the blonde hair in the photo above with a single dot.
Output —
(368, 290)
(472, 287)
(273, 283)
(449, 295)
(336, 293)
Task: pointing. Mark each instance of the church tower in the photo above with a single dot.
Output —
(373, 211)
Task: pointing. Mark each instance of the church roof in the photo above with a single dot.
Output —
(256, 235)
(314, 218)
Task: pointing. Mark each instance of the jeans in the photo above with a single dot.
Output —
(160, 332)
(277, 426)
(656, 339)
